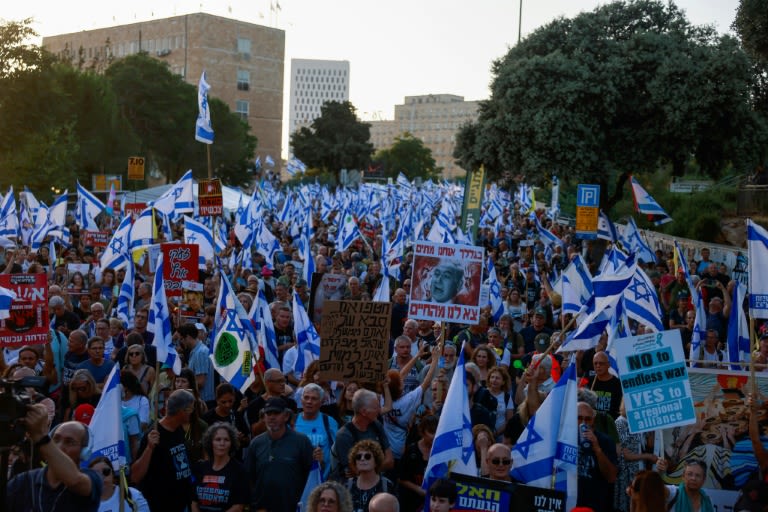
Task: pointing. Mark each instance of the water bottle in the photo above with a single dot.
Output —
(583, 441)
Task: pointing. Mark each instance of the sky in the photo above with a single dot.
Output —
(395, 48)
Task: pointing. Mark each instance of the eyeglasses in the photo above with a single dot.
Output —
(501, 462)
(363, 456)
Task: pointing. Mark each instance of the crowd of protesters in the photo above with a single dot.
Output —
(210, 447)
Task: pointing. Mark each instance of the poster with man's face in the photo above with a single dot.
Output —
(446, 282)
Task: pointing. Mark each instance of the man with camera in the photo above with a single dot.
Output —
(60, 486)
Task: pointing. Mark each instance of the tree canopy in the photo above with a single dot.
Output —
(336, 140)
(408, 155)
(622, 89)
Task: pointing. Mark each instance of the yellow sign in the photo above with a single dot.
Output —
(136, 168)
(586, 221)
(103, 182)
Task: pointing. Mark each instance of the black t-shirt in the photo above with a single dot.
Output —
(594, 491)
(609, 395)
(168, 483)
(412, 467)
(30, 491)
(218, 490)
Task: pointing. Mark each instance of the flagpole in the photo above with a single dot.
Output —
(210, 168)
(752, 346)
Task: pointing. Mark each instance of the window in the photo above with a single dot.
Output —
(241, 108)
(243, 80)
(244, 46)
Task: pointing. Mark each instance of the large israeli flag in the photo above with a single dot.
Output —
(307, 339)
(642, 302)
(738, 330)
(757, 247)
(576, 285)
(88, 208)
(231, 355)
(494, 293)
(9, 220)
(107, 423)
(633, 242)
(117, 253)
(125, 309)
(606, 229)
(547, 451)
(203, 128)
(143, 231)
(198, 233)
(261, 318)
(178, 199)
(159, 323)
(644, 203)
(347, 232)
(452, 449)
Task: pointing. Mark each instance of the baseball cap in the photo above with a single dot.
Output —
(266, 271)
(84, 413)
(541, 342)
(275, 404)
(540, 311)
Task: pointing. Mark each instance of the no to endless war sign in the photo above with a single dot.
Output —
(354, 340)
(654, 378)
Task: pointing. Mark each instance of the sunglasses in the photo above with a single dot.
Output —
(134, 353)
(363, 456)
(504, 462)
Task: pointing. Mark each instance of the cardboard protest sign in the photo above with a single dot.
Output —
(28, 321)
(325, 287)
(446, 282)
(354, 340)
(179, 265)
(654, 379)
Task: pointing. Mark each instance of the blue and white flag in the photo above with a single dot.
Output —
(198, 233)
(231, 354)
(606, 229)
(6, 298)
(554, 208)
(88, 208)
(699, 334)
(452, 449)
(125, 309)
(9, 220)
(117, 252)
(757, 248)
(143, 231)
(347, 232)
(494, 293)
(314, 479)
(159, 323)
(228, 301)
(178, 199)
(633, 242)
(261, 318)
(738, 330)
(644, 203)
(266, 243)
(642, 302)
(547, 451)
(107, 422)
(295, 166)
(203, 128)
(547, 236)
(257, 163)
(576, 285)
(268, 161)
(307, 339)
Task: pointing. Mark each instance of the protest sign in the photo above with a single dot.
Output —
(134, 209)
(354, 340)
(78, 279)
(28, 320)
(446, 282)
(209, 197)
(654, 379)
(191, 308)
(180, 264)
(96, 238)
(325, 287)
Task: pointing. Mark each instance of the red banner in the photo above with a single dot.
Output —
(28, 323)
(180, 263)
(134, 208)
(97, 238)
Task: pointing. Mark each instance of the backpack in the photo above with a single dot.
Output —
(336, 466)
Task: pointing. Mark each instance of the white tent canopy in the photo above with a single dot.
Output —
(230, 195)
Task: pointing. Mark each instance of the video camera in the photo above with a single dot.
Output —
(14, 402)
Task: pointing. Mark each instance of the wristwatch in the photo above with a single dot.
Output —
(43, 441)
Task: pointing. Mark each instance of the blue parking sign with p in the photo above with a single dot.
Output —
(588, 195)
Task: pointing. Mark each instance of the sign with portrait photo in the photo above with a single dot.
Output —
(446, 282)
(28, 320)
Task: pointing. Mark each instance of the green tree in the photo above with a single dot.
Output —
(626, 88)
(17, 55)
(751, 24)
(408, 155)
(161, 109)
(336, 140)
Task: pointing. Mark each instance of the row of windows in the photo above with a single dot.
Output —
(322, 72)
(320, 94)
(319, 79)
(337, 96)
(430, 114)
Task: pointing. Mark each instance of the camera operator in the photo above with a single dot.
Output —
(60, 486)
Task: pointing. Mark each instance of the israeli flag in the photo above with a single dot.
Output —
(231, 355)
(644, 203)
(307, 339)
(203, 128)
(576, 283)
(295, 166)
(547, 236)
(9, 220)
(257, 163)
(642, 302)
(633, 242)
(33, 205)
(347, 233)
(261, 318)
(143, 230)
(757, 249)
(699, 327)
(198, 233)
(606, 229)
(117, 252)
(547, 452)
(228, 301)
(554, 209)
(88, 208)
(452, 450)
(266, 243)
(159, 323)
(268, 161)
(738, 330)
(6, 298)
(125, 310)
(106, 425)
(494, 295)
(178, 199)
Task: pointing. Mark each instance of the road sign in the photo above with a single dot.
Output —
(103, 182)
(587, 208)
(209, 197)
(136, 168)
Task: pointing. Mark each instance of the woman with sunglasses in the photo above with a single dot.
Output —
(110, 492)
(221, 482)
(136, 363)
(365, 460)
(82, 390)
